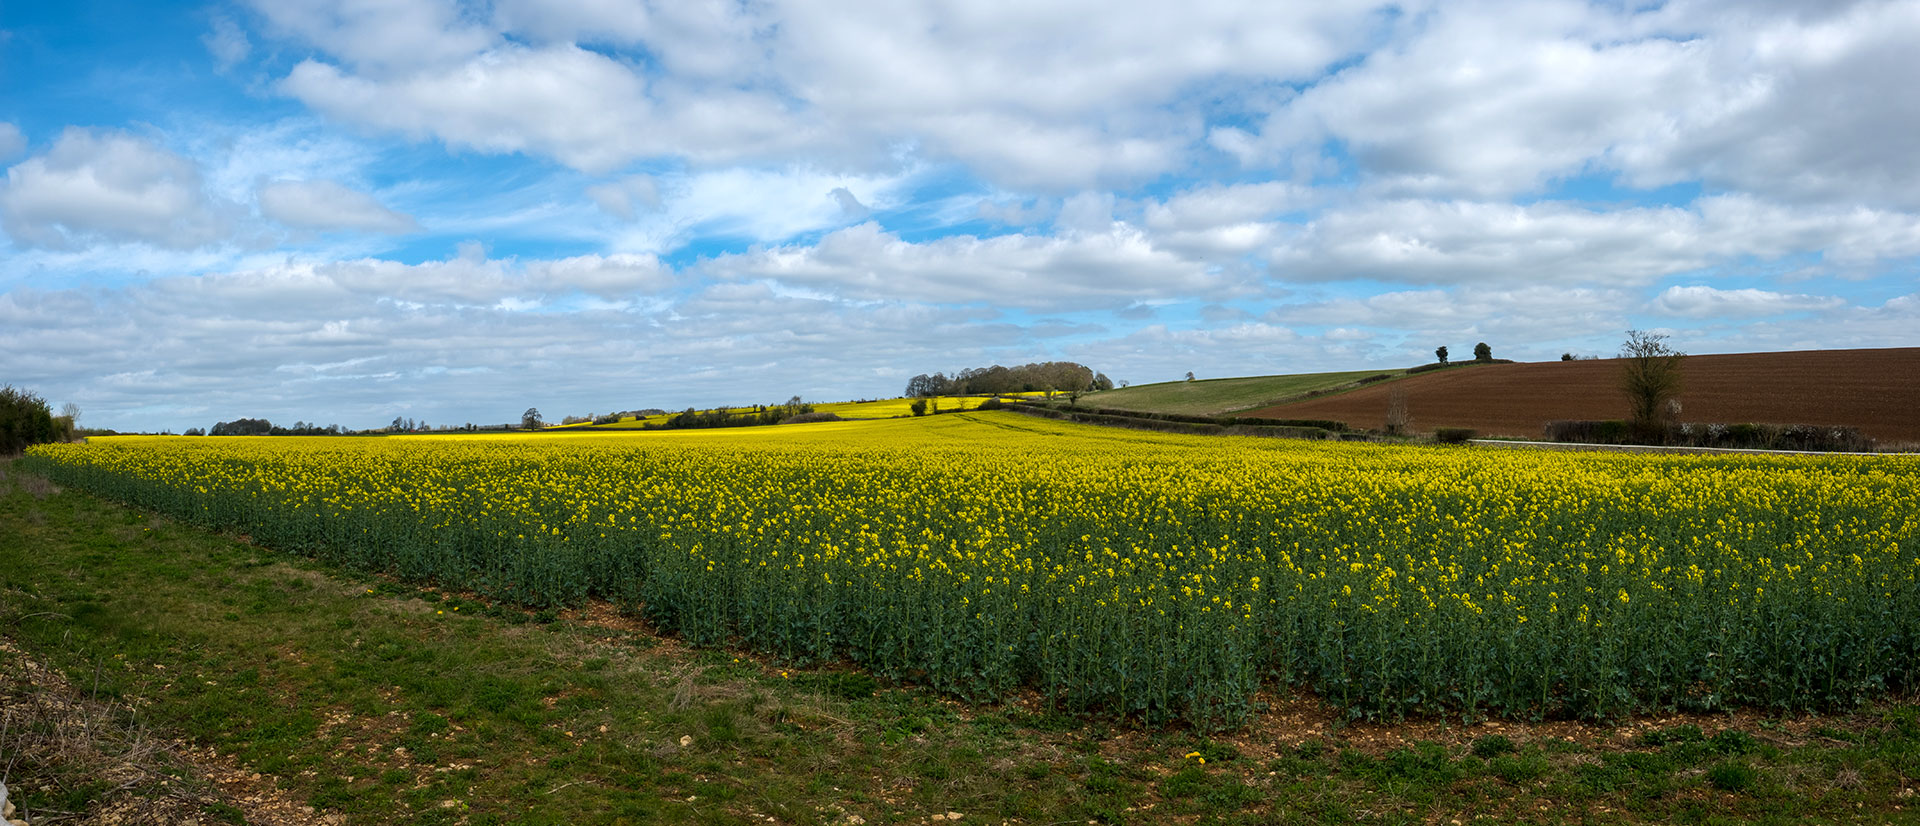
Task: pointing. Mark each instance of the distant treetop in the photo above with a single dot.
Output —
(1063, 376)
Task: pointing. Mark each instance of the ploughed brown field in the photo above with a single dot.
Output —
(1877, 391)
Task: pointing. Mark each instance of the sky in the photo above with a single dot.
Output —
(347, 211)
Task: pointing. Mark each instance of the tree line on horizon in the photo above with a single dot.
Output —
(1063, 376)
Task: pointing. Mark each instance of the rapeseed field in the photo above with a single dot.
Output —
(1147, 575)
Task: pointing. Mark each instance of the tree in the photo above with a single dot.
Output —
(25, 420)
(1481, 352)
(1189, 375)
(1651, 379)
(1441, 353)
(1398, 421)
(530, 420)
(1566, 357)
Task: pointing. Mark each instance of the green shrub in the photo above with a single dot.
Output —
(26, 420)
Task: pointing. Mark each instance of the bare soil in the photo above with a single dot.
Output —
(1877, 391)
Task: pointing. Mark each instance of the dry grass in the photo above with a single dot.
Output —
(93, 756)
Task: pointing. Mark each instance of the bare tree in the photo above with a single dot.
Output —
(530, 419)
(1651, 380)
(1398, 420)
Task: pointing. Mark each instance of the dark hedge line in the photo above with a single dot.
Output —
(1163, 425)
(1747, 436)
(1426, 368)
(1222, 421)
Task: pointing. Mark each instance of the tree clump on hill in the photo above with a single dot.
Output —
(26, 420)
(1651, 380)
(1064, 376)
(757, 415)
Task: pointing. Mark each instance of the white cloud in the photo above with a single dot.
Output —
(572, 104)
(759, 205)
(625, 197)
(385, 35)
(226, 42)
(1429, 242)
(1216, 205)
(1223, 222)
(586, 109)
(1518, 317)
(326, 205)
(850, 207)
(12, 143)
(1698, 301)
(1114, 268)
(1492, 99)
(1807, 106)
(347, 343)
(1088, 212)
(109, 186)
(1030, 94)
(1432, 242)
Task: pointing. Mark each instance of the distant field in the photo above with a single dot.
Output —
(1874, 390)
(876, 409)
(1212, 397)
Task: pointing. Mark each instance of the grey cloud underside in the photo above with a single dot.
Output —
(1460, 99)
(1114, 268)
(327, 205)
(1023, 93)
(108, 187)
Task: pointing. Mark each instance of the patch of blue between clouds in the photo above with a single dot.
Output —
(1605, 188)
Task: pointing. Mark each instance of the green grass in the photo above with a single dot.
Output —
(385, 703)
(1213, 397)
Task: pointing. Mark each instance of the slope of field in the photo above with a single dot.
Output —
(1877, 391)
(1212, 397)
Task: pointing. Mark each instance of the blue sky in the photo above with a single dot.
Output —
(350, 210)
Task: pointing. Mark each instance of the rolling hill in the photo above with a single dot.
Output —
(1213, 397)
(1877, 391)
